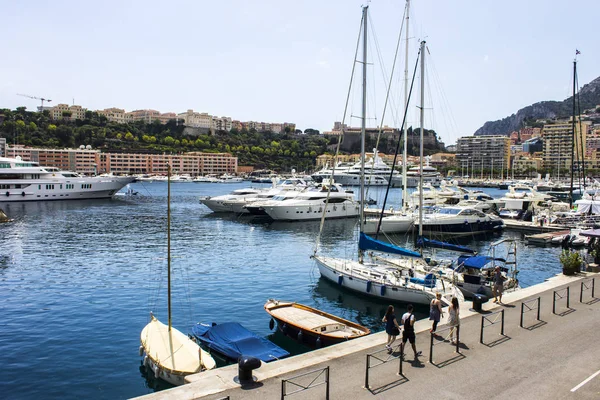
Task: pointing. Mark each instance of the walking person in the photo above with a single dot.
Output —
(391, 327)
(498, 287)
(435, 311)
(408, 334)
(453, 319)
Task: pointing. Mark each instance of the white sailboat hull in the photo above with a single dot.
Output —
(332, 269)
(389, 224)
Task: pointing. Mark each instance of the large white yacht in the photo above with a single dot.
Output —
(309, 204)
(28, 181)
(377, 173)
(430, 175)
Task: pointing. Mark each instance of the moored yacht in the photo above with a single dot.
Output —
(218, 203)
(456, 220)
(309, 204)
(28, 181)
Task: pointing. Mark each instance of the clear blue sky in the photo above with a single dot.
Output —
(290, 61)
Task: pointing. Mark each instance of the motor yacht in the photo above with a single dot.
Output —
(219, 203)
(309, 204)
(28, 181)
(455, 220)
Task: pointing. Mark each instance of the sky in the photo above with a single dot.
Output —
(291, 61)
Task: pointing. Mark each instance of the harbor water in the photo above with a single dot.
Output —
(78, 280)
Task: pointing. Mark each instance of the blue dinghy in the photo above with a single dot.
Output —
(231, 340)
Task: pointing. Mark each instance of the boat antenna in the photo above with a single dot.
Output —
(169, 240)
(363, 129)
(421, 140)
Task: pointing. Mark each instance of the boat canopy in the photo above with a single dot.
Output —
(233, 340)
(477, 262)
(424, 242)
(366, 242)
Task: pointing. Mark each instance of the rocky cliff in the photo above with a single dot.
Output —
(589, 96)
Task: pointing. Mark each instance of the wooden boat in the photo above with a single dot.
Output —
(311, 326)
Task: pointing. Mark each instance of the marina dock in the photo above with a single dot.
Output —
(552, 355)
(528, 227)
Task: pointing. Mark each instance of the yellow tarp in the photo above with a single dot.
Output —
(174, 351)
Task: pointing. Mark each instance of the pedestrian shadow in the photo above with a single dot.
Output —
(449, 361)
(566, 312)
(416, 363)
(538, 324)
(497, 342)
(508, 305)
(388, 386)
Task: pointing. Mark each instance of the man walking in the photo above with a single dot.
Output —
(498, 287)
(408, 333)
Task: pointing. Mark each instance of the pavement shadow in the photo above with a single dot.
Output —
(508, 305)
(592, 301)
(388, 386)
(538, 324)
(566, 312)
(416, 363)
(449, 361)
(497, 342)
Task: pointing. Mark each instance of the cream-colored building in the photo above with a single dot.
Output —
(196, 120)
(116, 115)
(65, 111)
(558, 143)
(221, 124)
(524, 162)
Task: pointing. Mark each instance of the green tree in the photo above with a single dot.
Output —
(169, 141)
(51, 128)
(32, 127)
(129, 136)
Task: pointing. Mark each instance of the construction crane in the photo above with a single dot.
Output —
(36, 98)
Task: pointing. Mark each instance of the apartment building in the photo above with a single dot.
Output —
(483, 152)
(222, 124)
(196, 119)
(150, 116)
(558, 142)
(2, 147)
(116, 115)
(65, 111)
(91, 162)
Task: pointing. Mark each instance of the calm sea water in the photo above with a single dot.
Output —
(79, 278)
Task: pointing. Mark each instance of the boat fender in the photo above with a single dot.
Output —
(156, 372)
(466, 197)
(23, 194)
(284, 328)
(309, 209)
(340, 279)
(318, 343)
(334, 208)
(382, 290)
(271, 324)
(141, 350)
(320, 209)
(145, 362)
(299, 336)
(344, 207)
(7, 194)
(369, 284)
(466, 222)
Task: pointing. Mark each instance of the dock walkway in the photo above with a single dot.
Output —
(556, 357)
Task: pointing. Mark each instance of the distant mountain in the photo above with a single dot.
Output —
(589, 96)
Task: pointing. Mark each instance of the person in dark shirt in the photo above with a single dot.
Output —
(498, 285)
(408, 334)
(391, 327)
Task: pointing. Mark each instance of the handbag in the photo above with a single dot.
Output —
(395, 331)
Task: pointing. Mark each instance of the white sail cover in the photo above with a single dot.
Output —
(173, 351)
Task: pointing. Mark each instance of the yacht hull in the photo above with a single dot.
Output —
(341, 275)
(312, 212)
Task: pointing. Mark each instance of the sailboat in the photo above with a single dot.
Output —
(170, 354)
(380, 279)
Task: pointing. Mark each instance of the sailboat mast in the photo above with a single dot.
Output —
(364, 119)
(421, 137)
(573, 134)
(169, 240)
(405, 132)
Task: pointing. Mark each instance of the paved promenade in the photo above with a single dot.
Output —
(555, 358)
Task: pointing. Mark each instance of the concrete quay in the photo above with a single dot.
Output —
(553, 358)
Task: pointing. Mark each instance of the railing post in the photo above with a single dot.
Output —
(521, 322)
(367, 373)
(568, 295)
(502, 325)
(581, 293)
(593, 284)
(431, 349)
(539, 305)
(327, 384)
(554, 303)
(481, 335)
(457, 338)
(400, 368)
(283, 389)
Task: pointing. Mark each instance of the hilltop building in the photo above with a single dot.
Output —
(67, 112)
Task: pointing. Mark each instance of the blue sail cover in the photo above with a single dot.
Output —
(232, 340)
(477, 262)
(368, 243)
(424, 242)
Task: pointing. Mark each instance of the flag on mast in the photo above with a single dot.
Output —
(577, 52)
